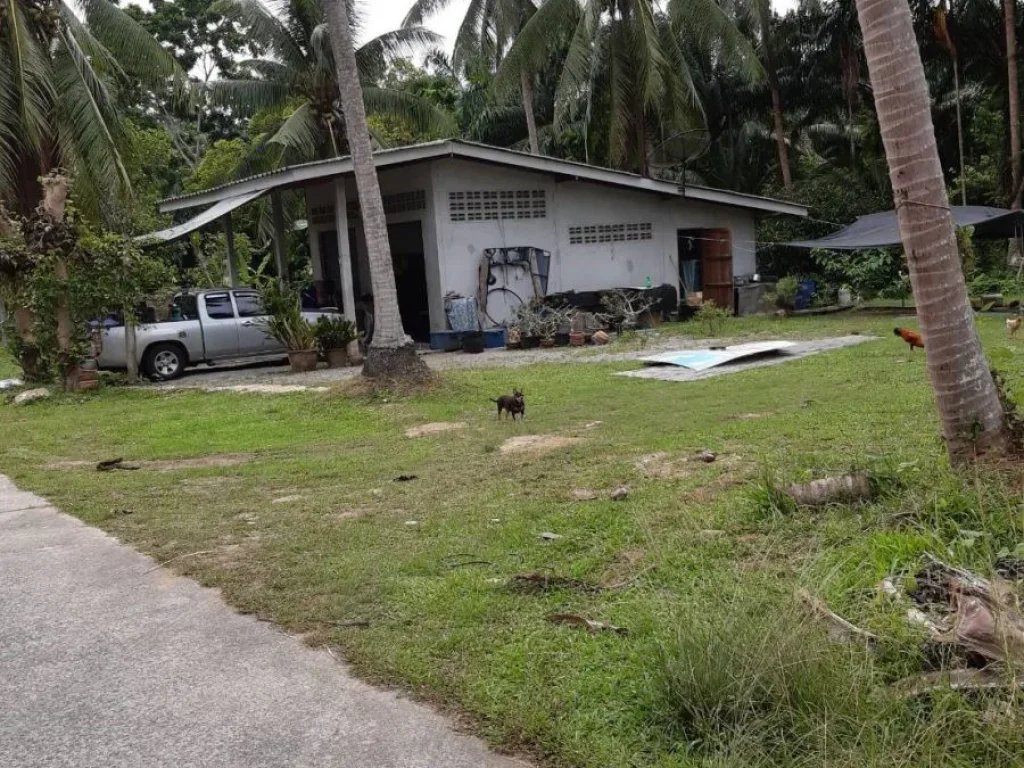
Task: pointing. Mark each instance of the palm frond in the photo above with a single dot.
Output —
(533, 44)
(11, 133)
(418, 112)
(266, 69)
(648, 58)
(423, 10)
(470, 39)
(248, 96)
(30, 80)
(373, 57)
(578, 70)
(300, 133)
(266, 28)
(134, 48)
(323, 56)
(89, 125)
(704, 25)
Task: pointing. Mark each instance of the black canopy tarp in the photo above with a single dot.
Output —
(881, 230)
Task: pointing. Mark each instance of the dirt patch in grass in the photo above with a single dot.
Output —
(752, 416)
(163, 465)
(267, 389)
(665, 466)
(583, 494)
(538, 444)
(434, 427)
(625, 567)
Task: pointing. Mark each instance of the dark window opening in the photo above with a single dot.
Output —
(249, 305)
(218, 306)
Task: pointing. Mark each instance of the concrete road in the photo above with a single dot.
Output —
(107, 664)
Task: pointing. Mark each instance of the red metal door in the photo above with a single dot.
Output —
(716, 265)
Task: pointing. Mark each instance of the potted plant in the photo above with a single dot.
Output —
(529, 320)
(284, 322)
(577, 329)
(549, 320)
(333, 334)
(514, 337)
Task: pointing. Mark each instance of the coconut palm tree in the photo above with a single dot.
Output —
(60, 73)
(968, 403)
(60, 77)
(631, 54)
(391, 354)
(486, 32)
(1013, 89)
(298, 77)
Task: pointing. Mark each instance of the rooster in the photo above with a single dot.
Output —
(1013, 325)
(911, 337)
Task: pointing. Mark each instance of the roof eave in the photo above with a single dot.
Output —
(738, 199)
(322, 172)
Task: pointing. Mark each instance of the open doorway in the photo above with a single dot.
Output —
(410, 273)
(705, 265)
(411, 278)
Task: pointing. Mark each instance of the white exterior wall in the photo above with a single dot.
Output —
(577, 267)
(452, 249)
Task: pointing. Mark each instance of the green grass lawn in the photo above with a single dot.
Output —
(9, 368)
(719, 666)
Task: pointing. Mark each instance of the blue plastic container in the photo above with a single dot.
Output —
(494, 337)
(804, 294)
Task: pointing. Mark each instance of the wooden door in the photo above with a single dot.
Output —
(716, 266)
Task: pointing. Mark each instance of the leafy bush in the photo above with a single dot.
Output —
(869, 272)
(785, 292)
(334, 332)
(711, 317)
(284, 320)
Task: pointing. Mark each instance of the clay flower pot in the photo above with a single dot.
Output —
(302, 361)
(577, 338)
(336, 358)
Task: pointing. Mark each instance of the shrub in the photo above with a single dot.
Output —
(785, 292)
(334, 332)
(711, 317)
(284, 320)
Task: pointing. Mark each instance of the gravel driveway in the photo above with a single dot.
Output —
(276, 377)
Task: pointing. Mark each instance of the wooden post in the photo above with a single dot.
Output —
(348, 298)
(130, 346)
(229, 236)
(280, 236)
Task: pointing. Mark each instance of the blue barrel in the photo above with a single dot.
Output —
(804, 294)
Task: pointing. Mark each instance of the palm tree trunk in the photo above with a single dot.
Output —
(960, 132)
(780, 127)
(765, 21)
(391, 354)
(65, 332)
(1013, 90)
(526, 78)
(968, 403)
(28, 349)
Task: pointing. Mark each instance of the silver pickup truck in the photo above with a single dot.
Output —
(205, 327)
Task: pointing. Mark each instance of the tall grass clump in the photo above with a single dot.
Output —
(756, 684)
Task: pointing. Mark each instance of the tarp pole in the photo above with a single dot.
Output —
(229, 238)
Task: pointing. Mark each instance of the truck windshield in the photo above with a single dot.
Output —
(185, 307)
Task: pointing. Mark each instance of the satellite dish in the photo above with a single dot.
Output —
(670, 157)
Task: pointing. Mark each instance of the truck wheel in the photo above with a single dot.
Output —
(164, 361)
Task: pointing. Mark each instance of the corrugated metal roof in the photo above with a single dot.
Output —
(225, 206)
(322, 170)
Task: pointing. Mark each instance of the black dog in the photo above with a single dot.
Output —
(514, 404)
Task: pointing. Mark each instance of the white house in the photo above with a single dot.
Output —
(450, 203)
